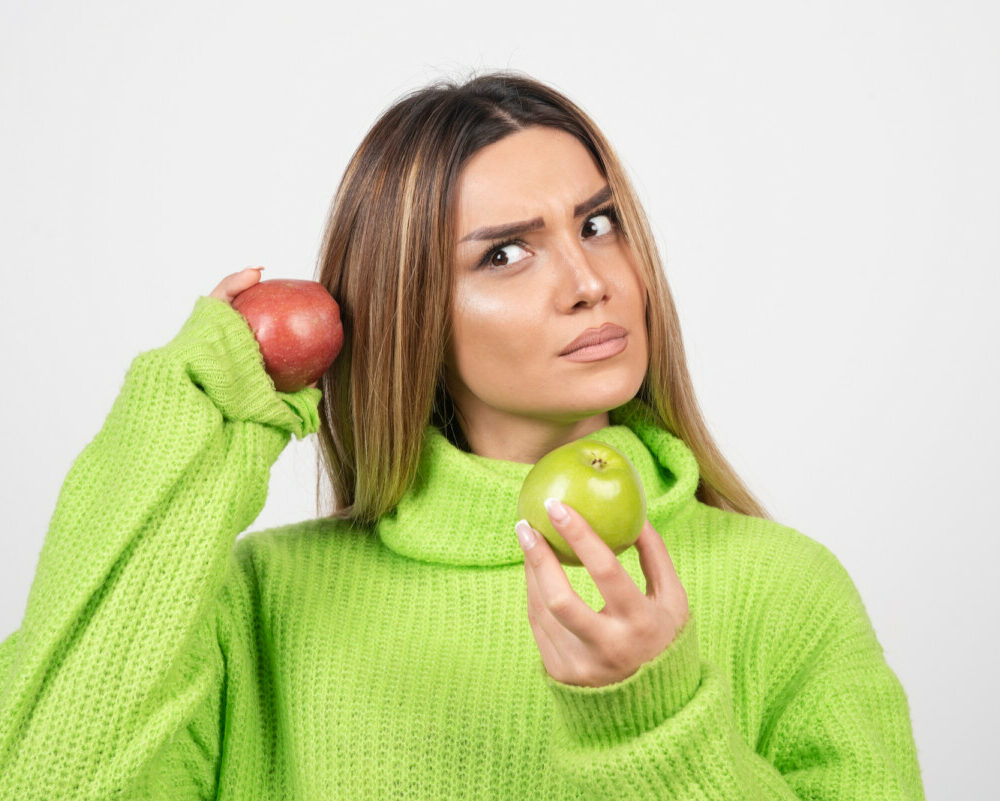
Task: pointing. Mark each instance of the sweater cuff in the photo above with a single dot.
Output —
(221, 355)
(605, 716)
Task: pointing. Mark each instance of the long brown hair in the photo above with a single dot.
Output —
(387, 257)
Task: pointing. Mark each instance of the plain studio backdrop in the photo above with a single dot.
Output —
(822, 179)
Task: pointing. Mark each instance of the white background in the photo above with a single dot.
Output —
(822, 179)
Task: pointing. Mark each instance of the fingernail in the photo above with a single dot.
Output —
(556, 510)
(524, 534)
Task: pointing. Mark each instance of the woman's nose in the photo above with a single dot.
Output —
(580, 281)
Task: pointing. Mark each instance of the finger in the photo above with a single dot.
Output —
(654, 561)
(542, 622)
(662, 581)
(554, 590)
(230, 286)
(621, 594)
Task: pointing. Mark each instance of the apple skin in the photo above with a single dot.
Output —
(297, 326)
(599, 482)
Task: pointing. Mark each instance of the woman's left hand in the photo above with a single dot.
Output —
(583, 647)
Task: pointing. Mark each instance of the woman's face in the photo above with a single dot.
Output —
(523, 296)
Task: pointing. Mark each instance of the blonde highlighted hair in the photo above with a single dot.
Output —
(387, 257)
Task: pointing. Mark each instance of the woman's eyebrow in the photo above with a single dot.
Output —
(512, 229)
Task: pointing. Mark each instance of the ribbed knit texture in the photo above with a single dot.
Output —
(159, 657)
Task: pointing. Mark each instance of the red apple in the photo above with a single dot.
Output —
(297, 326)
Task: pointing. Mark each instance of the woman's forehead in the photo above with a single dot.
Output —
(532, 173)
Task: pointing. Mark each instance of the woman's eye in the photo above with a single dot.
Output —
(498, 257)
(607, 223)
(603, 222)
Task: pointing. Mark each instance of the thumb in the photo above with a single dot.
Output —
(232, 285)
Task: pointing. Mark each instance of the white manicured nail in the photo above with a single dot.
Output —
(524, 534)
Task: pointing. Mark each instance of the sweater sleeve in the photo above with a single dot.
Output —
(115, 676)
(837, 725)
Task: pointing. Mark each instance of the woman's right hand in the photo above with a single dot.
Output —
(230, 286)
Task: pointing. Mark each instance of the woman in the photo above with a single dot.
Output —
(408, 644)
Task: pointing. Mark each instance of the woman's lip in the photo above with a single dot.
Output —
(594, 336)
(603, 350)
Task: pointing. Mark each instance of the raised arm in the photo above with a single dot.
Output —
(119, 648)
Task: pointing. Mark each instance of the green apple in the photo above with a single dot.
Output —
(599, 482)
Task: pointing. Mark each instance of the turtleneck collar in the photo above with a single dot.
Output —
(462, 507)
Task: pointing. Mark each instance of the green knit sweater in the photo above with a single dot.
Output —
(160, 657)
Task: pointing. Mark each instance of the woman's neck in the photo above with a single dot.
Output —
(497, 435)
